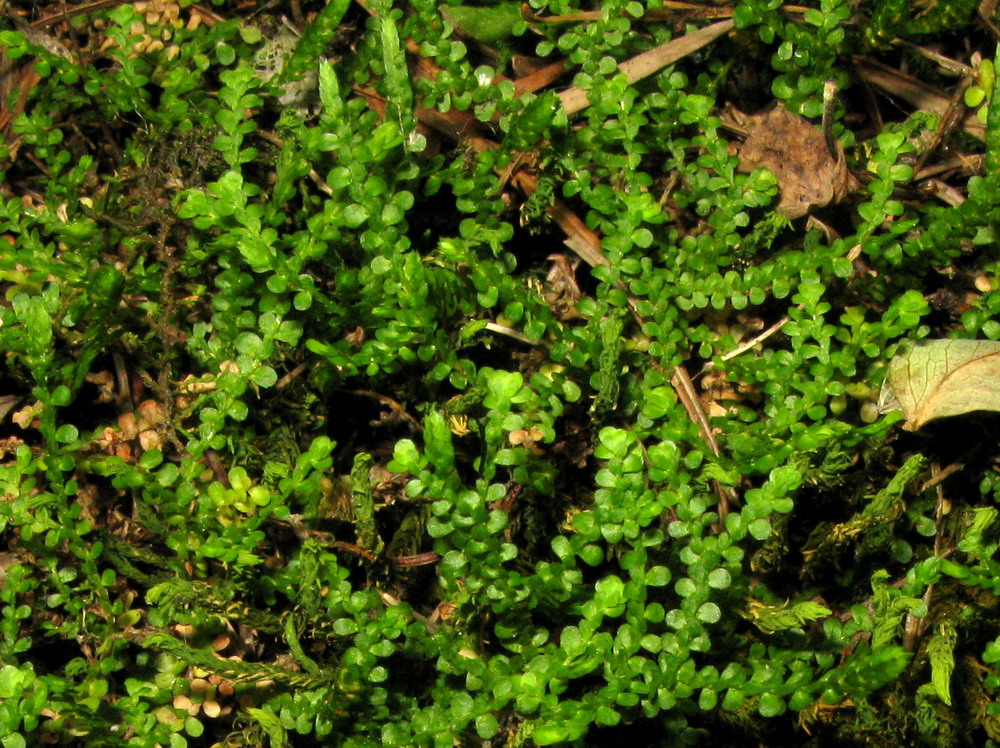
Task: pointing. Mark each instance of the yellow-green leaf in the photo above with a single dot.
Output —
(773, 618)
(488, 25)
(941, 653)
(938, 378)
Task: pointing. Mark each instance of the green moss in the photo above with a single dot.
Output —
(312, 431)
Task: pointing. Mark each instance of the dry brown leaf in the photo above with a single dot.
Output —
(128, 424)
(938, 378)
(151, 414)
(795, 151)
(527, 438)
(26, 415)
(105, 382)
(560, 289)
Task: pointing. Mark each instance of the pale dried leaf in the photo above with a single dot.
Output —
(939, 378)
(27, 414)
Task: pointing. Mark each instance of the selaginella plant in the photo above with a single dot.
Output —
(360, 390)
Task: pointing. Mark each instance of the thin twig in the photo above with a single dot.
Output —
(510, 332)
(829, 99)
(419, 559)
(946, 123)
(915, 92)
(393, 405)
(940, 475)
(124, 395)
(320, 183)
(641, 66)
(744, 347)
(290, 376)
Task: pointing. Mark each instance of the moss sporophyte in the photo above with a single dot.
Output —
(417, 375)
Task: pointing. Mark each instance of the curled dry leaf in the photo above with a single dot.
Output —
(191, 385)
(9, 446)
(129, 426)
(938, 378)
(527, 438)
(151, 414)
(356, 338)
(795, 151)
(26, 415)
(105, 382)
(150, 439)
(560, 290)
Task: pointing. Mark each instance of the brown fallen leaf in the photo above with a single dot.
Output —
(105, 382)
(560, 289)
(795, 151)
(26, 415)
(938, 378)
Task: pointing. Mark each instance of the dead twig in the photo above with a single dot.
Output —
(951, 117)
(915, 92)
(748, 345)
(510, 332)
(940, 475)
(393, 405)
(643, 65)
